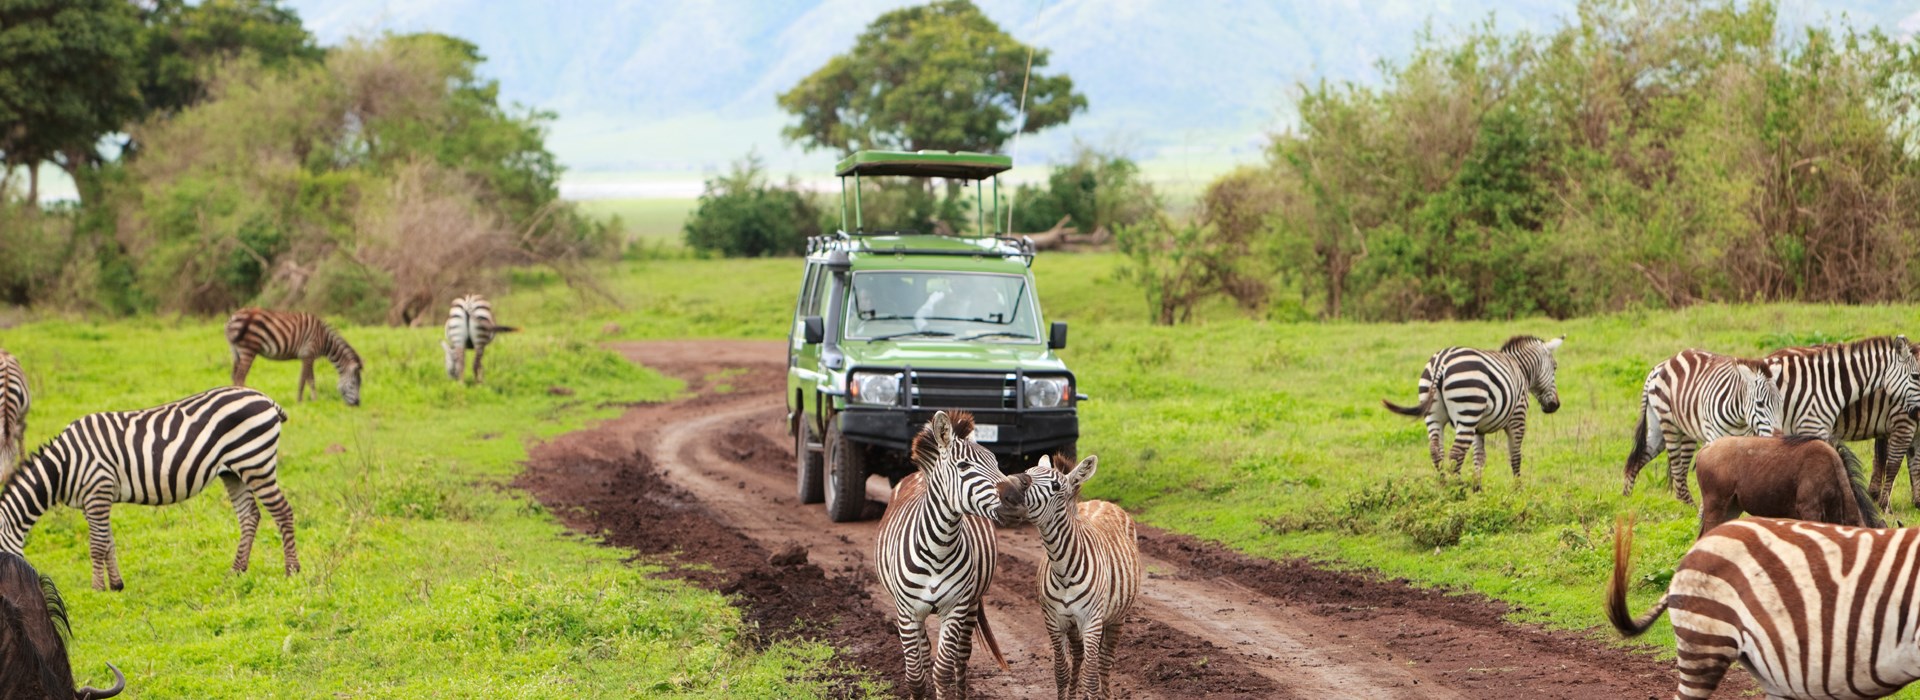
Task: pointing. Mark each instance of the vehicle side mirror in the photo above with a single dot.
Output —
(816, 329)
(1057, 336)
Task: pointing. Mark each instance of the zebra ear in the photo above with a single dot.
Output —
(1554, 344)
(1083, 471)
(932, 440)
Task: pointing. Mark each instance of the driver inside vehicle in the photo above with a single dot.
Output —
(960, 298)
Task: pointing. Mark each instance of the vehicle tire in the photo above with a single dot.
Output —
(846, 472)
(807, 464)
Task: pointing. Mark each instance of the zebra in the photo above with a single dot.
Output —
(1813, 610)
(1694, 398)
(287, 335)
(1481, 392)
(1818, 383)
(469, 326)
(935, 551)
(1091, 575)
(15, 400)
(1881, 417)
(155, 456)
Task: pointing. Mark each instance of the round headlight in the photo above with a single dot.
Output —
(1046, 392)
(877, 389)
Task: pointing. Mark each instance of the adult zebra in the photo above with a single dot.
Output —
(935, 551)
(156, 456)
(288, 335)
(1813, 610)
(1883, 417)
(469, 327)
(1694, 398)
(14, 402)
(1481, 392)
(1091, 575)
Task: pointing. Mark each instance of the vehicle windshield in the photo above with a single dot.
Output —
(890, 304)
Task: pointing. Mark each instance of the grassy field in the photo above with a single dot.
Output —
(649, 222)
(1270, 437)
(425, 574)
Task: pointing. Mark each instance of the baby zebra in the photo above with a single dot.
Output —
(935, 551)
(14, 402)
(1481, 392)
(1090, 577)
(156, 456)
(469, 327)
(287, 335)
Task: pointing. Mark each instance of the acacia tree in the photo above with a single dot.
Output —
(67, 78)
(941, 76)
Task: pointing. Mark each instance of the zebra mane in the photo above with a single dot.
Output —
(962, 424)
(1515, 342)
(1798, 439)
(1061, 458)
(924, 454)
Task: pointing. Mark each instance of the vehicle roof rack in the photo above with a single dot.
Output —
(961, 165)
(860, 242)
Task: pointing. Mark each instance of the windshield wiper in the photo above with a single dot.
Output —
(999, 334)
(891, 336)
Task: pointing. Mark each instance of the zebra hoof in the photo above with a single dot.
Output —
(118, 585)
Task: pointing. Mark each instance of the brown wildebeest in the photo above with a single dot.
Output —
(1800, 477)
(33, 652)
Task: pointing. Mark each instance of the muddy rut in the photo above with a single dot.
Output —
(706, 485)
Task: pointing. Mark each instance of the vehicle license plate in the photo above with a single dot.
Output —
(986, 432)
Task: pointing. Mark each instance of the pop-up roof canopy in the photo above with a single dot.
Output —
(947, 164)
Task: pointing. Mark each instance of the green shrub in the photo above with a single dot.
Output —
(741, 215)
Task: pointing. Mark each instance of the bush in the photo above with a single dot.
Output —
(741, 215)
(1095, 191)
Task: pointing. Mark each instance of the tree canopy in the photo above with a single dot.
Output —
(66, 77)
(941, 76)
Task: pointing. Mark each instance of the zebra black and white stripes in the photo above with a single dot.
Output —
(1884, 416)
(289, 335)
(469, 327)
(1693, 398)
(1480, 392)
(1090, 577)
(15, 400)
(1818, 383)
(156, 456)
(935, 552)
(1813, 610)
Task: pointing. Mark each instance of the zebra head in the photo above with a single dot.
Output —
(1047, 495)
(1763, 400)
(1536, 357)
(961, 476)
(350, 383)
(1904, 375)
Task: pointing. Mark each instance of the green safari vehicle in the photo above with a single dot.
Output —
(891, 326)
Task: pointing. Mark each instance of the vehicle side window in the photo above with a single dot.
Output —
(808, 297)
(822, 280)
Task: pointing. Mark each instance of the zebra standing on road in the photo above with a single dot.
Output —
(935, 551)
(14, 402)
(1813, 610)
(1694, 398)
(156, 456)
(288, 335)
(1481, 392)
(1091, 575)
(469, 327)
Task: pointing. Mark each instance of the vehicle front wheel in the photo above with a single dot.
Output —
(807, 464)
(846, 471)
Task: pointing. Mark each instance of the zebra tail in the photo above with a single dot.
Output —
(506, 329)
(1645, 444)
(282, 412)
(1426, 403)
(1855, 476)
(1617, 612)
(986, 635)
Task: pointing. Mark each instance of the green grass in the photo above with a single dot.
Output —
(425, 573)
(649, 222)
(1270, 437)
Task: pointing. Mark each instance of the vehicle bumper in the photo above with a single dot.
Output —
(1029, 432)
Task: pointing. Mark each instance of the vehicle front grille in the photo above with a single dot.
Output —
(964, 391)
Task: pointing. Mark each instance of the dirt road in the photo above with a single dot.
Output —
(707, 482)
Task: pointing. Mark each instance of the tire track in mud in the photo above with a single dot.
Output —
(707, 481)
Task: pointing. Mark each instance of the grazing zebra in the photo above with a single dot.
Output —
(1090, 577)
(1881, 417)
(287, 335)
(1692, 399)
(469, 327)
(1813, 610)
(935, 551)
(156, 456)
(1481, 392)
(14, 402)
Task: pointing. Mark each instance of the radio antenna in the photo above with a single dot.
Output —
(1011, 191)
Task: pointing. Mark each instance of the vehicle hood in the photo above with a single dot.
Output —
(949, 355)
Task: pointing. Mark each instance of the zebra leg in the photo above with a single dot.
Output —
(1091, 642)
(306, 379)
(913, 645)
(1463, 440)
(456, 360)
(264, 486)
(950, 659)
(242, 364)
(1479, 459)
(1108, 642)
(1515, 435)
(1433, 443)
(248, 514)
(1063, 671)
(478, 351)
(100, 542)
(1700, 671)
(1679, 460)
(1885, 471)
